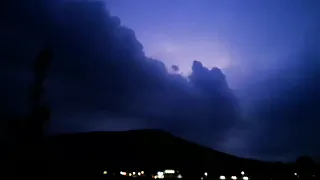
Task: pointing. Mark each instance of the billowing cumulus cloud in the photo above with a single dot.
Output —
(100, 72)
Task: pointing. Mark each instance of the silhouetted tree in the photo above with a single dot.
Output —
(40, 72)
(40, 113)
(30, 130)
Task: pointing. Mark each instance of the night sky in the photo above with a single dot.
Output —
(241, 77)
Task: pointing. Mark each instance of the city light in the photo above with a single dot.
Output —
(160, 175)
(169, 171)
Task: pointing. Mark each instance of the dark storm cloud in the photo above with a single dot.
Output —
(291, 108)
(99, 65)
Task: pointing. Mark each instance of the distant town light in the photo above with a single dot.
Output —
(105, 172)
(206, 174)
(142, 172)
(242, 172)
(222, 177)
(295, 174)
(234, 177)
(169, 171)
(134, 173)
(245, 178)
(160, 175)
(123, 173)
(179, 176)
(130, 174)
(139, 173)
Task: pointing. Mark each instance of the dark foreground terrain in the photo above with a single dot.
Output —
(89, 154)
(106, 155)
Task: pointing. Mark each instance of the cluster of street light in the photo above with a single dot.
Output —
(222, 177)
(134, 174)
(123, 173)
(167, 173)
(234, 177)
(175, 174)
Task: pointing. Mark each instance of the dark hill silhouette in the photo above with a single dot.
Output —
(90, 153)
